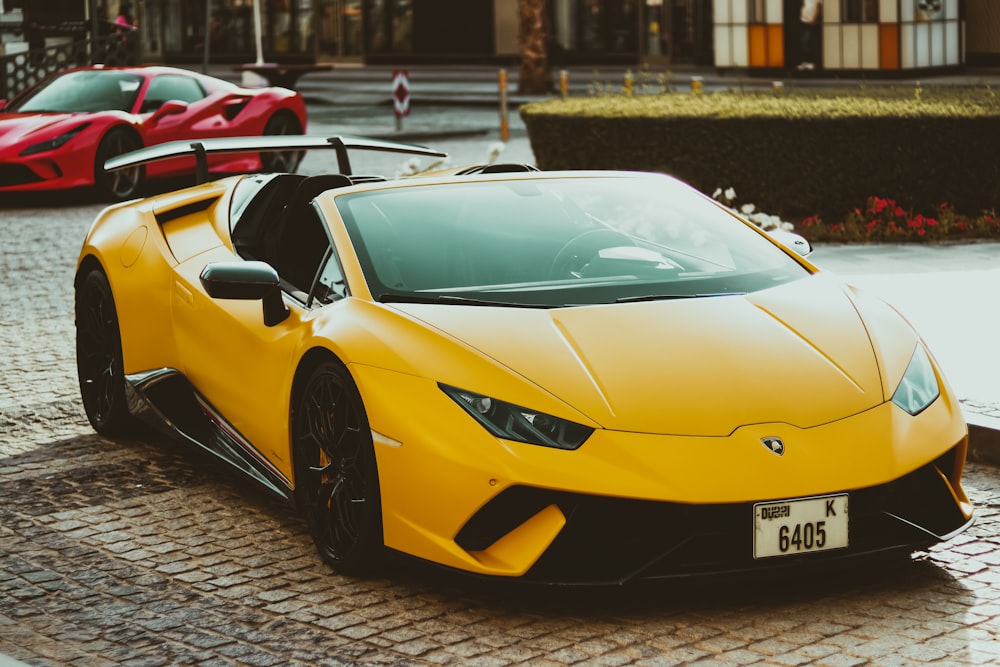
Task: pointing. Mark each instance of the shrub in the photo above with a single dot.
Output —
(793, 153)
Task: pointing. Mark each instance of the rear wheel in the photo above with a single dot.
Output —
(120, 184)
(99, 357)
(281, 123)
(335, 471)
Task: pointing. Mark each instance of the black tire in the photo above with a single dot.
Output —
(336, 476)
(283, 122)
(99, 357)
(121, 184)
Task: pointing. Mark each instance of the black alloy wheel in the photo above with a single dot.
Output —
(283, 122)
(99, 357)
(120, 184)
(335, 471)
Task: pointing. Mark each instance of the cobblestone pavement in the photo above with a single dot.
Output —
(137, 552)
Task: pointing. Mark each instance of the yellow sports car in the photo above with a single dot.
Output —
(556, 376)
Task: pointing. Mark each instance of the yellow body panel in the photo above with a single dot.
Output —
(242, 366)
(682, 367)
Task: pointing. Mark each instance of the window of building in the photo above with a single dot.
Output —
(596, 26)
(390, 26)
(859, 11)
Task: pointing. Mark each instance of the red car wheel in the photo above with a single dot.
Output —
(121, 184)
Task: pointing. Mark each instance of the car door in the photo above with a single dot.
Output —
(242, 365)
(207, 113)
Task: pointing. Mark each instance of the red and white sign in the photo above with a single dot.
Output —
(401, 92)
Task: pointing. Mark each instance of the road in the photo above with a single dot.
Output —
(137, 552)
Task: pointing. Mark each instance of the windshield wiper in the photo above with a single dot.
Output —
(456, 300)
(670, 297)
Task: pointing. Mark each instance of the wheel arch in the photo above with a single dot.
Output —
(284, 111)
(122, 127)
(308, 363)
(87, 264)
(351, 540)
(100, 177)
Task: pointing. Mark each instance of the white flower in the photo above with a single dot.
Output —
(409, 168)
(730, 194)
(494, 151)
(718, 191)
(412, 167)
(748, 209)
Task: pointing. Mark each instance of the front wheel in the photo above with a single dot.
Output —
(120, 184)
(335, 471)
(99, 357)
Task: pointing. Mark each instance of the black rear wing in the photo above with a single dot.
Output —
(276, 143)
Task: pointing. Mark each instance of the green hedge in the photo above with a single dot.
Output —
(791, 153)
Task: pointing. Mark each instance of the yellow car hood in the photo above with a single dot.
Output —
(798, 353)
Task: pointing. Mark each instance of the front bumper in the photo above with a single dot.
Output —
(45, 173)
(615, 540)
(633, 505)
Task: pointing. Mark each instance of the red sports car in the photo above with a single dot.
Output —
(58, 134)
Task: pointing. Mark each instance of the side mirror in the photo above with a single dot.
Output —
(794, 242)
(246, 281)
(169, 108)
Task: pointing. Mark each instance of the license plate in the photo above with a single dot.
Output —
(788, 527)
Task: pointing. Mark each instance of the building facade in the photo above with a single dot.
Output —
(854, 35)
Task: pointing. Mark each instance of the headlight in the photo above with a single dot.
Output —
(513, 422)
(919, 386)
(52, 144)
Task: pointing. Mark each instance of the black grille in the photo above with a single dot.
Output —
(616, 539)
(17, 174)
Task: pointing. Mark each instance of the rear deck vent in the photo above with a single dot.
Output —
(164, 217)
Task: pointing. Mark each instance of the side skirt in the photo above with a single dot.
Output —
(164, 399)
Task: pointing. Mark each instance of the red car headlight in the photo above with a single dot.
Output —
(52, 144)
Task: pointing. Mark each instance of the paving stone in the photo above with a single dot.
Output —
(139, 552)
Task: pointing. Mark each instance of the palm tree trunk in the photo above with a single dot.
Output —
(535, 75)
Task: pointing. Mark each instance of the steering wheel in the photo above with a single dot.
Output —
(579, 250)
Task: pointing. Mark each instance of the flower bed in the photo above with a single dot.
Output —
(883, 220)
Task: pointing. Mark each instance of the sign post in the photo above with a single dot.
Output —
(504, 118)
(400, 96)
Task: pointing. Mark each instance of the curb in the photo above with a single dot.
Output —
(984, 438)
